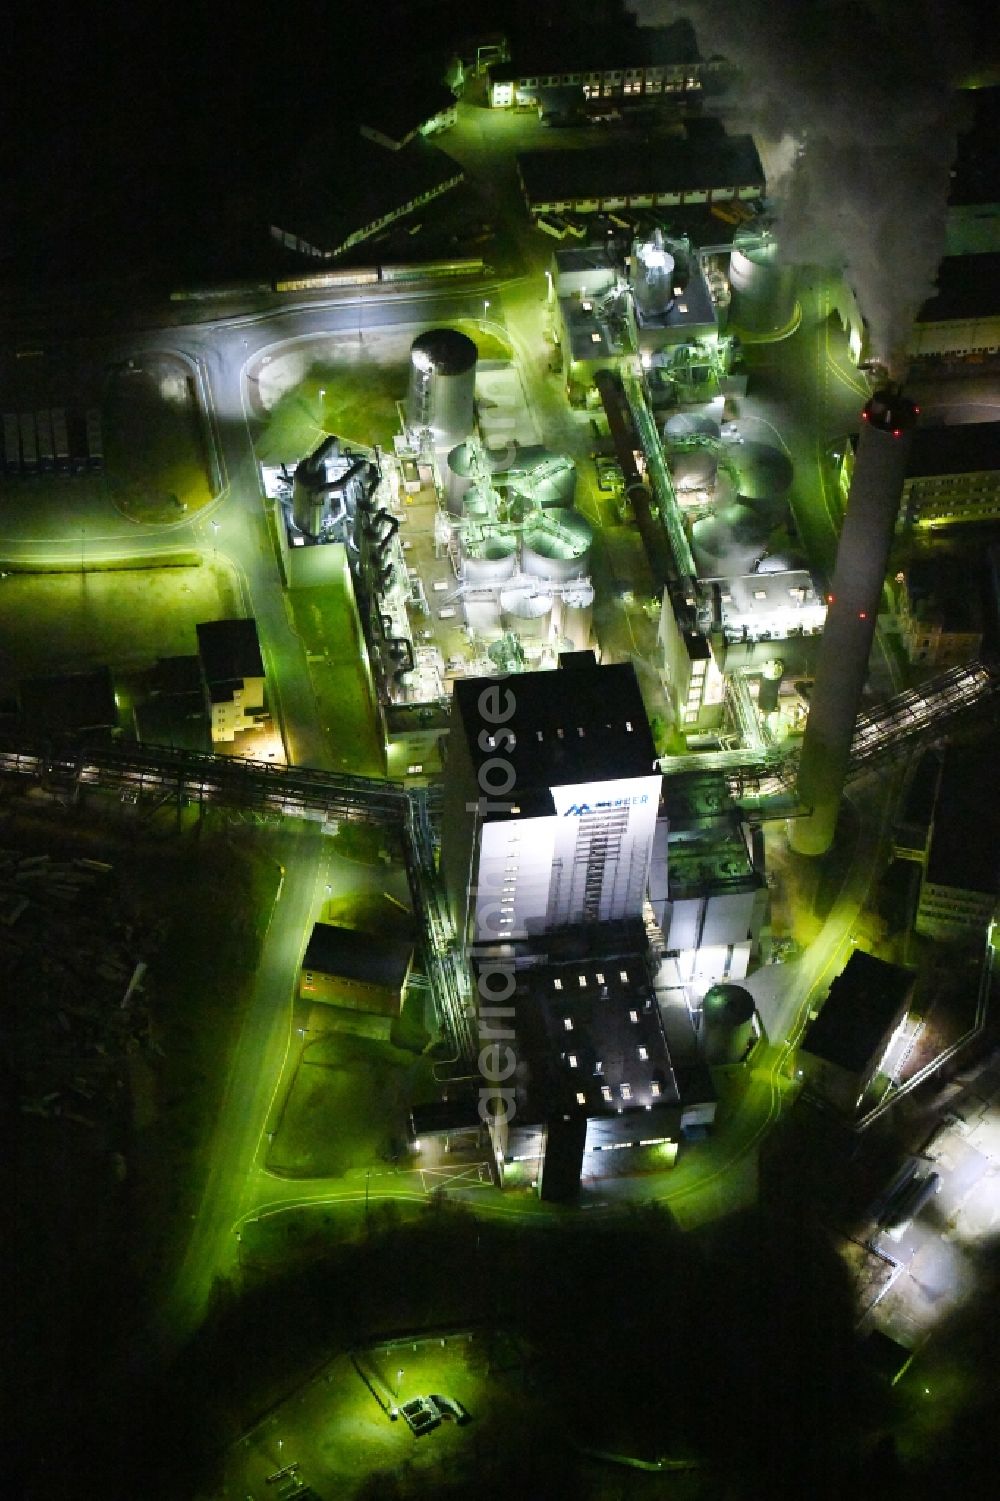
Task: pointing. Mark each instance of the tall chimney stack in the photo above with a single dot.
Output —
(873, 504)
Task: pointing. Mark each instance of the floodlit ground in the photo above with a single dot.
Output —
(361, 381)
(336, 1431)
(157, 467)
(346, 1107)
(122, 618)
(326, 622)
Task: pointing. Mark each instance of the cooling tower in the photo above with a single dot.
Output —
(862, 556)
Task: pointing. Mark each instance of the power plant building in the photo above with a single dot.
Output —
(648, 62)
(233, 674)
(853, 604)
(551, 801)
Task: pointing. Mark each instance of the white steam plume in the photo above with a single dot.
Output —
(865, 92)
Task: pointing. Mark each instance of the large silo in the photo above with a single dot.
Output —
(763, 289)
(489, 559)
(653, 277)
(442, 385)
(729, 543)
(727, 1023)
(527, 613)
(557, 545)
(873, 503)
(693, 468)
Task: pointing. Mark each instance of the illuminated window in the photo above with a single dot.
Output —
(581, 1098)
(582, 981)
(599, 978)
(643, 1054)
(571, 1059)
(606, 1093)
(623, 974)
(633, 1016)
(626, 1091)
(568, 1023)
(557, 984)
(595, 338)
(599, 1066)
(654, 1088)
(760, 594)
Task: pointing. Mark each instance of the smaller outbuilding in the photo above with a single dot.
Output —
(845, 1044)
(356, 971)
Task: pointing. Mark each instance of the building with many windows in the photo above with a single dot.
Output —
(637, 62)
(939, 611)
(703, 166)
(953, 475)
(960, 885)
(232, 671)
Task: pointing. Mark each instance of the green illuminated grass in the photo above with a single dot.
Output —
(346, 1107)
(326, 621)
(359, 402)
(157, 468)
(124, 619)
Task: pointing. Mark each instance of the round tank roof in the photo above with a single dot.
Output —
(729, 542)
(445, 350)
(730, 1002)
(564, 534)
(691, 425)
(525, 604)
(693, 468)
(765, 473)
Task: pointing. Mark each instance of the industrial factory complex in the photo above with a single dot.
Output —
(581, 619)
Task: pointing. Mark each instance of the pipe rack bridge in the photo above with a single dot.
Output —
(295, 791)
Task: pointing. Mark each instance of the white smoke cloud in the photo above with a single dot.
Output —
(857, 99)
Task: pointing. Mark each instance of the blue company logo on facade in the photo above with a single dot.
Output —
(577, 810)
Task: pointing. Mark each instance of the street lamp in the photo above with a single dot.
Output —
(486, 305)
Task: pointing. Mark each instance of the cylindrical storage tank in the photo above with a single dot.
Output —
(480, 504)
(459, 473)
(653, 277)
(527, 614)
(691, 425)
(770, 686)
(557, 545)
(554, 484)
(693, 468)
(728, 543)
(765, 473)
(491, 559)
(442, 385)
(727, 1023)
(763, 290)
(577, 617)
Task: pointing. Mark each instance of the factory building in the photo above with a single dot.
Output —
(704, 166)
(232, 671)
(957, 331)
(594, 64)
(853, 603)
(960, 883)
(551, 801)
(939, 611)
(356, 973)
(845, 1045)
(953, 475)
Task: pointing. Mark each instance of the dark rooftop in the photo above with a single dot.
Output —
(403, 103)
(349, 954)
(976, 173)
(64, 704)
(588, 725)
(229, 651)
(943, 590)
(962, 448)
(859, 1012)
(968, 287)
(965, 843)
(594, 49)
(343, 187)
(668, 164)
(593, 1028)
